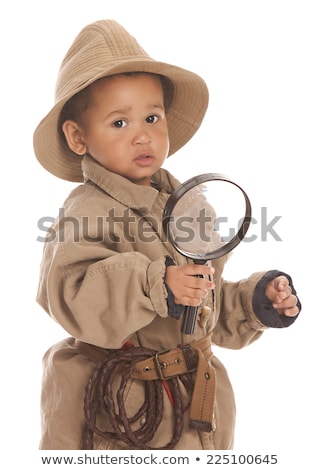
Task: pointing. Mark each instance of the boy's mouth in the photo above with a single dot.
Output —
(144, 159)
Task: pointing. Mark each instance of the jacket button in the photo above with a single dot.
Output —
(203, 316)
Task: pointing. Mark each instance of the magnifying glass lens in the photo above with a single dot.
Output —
(206, 218)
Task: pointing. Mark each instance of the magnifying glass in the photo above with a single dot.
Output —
(205, 218)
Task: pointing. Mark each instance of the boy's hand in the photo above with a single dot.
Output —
(186, 288)
(280, 293)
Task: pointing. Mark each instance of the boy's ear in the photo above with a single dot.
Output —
(74, 137)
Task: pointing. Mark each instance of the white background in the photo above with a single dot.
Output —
(261, 61)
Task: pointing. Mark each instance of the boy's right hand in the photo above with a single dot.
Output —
(185, 286)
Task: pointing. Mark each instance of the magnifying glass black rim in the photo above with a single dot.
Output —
(183, 189)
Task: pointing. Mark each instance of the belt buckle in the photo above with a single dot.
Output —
(161, 365)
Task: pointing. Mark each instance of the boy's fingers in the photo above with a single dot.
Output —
(281, 283)
(282, 295)
(291, 312)
(288, 306)
(288, 312)
(278, 289)
(198, 269)
(198, 283)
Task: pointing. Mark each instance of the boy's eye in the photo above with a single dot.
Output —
(120, 123)
(151, 119)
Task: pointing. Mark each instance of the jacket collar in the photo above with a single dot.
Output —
(124, 191)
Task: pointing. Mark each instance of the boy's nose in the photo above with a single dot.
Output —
(142, 136)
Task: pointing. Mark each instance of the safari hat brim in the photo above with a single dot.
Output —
(102, 49)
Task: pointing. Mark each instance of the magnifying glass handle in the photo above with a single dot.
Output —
(189, 318)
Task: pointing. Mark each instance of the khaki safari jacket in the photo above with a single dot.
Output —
(102, 279)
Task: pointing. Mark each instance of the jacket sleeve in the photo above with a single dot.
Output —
(237, 324)
(244, 311)
(99, 295)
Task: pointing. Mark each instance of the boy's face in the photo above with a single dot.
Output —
(125, 128)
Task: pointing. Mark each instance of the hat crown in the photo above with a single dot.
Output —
(98, 47)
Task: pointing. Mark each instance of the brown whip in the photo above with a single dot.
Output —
(99, 396)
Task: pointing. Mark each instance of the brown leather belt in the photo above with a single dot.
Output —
(164, 365)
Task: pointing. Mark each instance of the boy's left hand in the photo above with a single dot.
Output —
(283, 300)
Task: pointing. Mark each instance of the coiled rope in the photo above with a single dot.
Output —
(99, 396)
